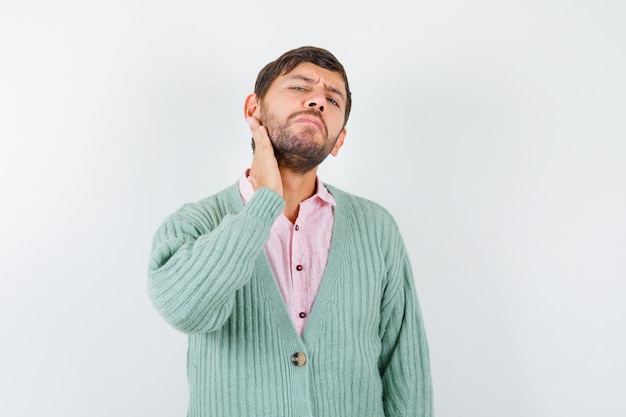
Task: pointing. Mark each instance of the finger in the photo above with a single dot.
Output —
(253, 122)
(259, 132)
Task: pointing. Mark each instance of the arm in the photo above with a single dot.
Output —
(196, 267)
(404, 362)
(198, 262)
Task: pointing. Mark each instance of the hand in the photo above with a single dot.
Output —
(264, 171)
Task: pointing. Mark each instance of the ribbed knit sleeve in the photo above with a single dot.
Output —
(201, 255)
(404, 360)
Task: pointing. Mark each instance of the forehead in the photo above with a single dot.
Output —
(310, 72)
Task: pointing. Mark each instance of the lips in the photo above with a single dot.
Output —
(314, 120)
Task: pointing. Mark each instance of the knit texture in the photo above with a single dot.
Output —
(364, 342)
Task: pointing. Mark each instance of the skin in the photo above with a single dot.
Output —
(308, 103)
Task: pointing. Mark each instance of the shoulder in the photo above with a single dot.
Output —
(208, 212)
(361, 210)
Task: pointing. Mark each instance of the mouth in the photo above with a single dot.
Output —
(313, 120)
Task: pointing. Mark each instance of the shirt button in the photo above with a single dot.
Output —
(297, 227)
(298, 359)
(302, 315)
(299, 268)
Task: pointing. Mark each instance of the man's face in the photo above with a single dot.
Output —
(303, 112)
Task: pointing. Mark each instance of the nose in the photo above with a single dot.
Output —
(314, 104)
(316, 100)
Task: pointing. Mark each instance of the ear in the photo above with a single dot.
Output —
(251, 107)
(339, 142)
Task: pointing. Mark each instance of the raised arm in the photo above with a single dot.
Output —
(203, 254)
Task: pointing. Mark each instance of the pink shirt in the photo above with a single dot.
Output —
(298, 252)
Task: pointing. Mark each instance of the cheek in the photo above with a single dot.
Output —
(335, 126)
(270, 116)
(266, 118)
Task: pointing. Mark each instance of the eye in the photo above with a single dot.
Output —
(332, 101)
(298, 88)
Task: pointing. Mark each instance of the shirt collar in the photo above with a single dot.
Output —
(321, 192)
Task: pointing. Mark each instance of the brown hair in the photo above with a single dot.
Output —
(291, 59)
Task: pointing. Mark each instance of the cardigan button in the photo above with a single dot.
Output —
(298, 359)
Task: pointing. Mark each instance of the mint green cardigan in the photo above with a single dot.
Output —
(363, 352)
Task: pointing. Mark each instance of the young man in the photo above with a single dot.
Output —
(298, 298)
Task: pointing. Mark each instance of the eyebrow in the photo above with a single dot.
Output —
(312, 81)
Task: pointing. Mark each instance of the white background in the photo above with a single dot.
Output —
(494, 132)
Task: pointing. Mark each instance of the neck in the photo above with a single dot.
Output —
(296, 188)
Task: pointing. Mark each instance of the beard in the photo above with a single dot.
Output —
(296, 148)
